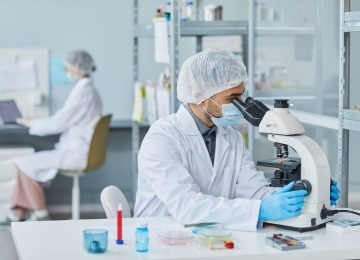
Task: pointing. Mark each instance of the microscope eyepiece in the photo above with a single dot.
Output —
(249, 100)
(281, 103)
(253, 110)
(239, 104)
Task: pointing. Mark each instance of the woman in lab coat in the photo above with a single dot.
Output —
(75, 123)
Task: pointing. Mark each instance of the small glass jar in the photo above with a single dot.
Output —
(95, 240)
(142, 238)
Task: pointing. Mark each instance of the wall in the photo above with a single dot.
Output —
(102, 29)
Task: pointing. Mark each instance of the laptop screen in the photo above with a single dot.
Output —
(9, 111)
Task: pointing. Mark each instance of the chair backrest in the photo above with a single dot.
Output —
(111, 197)
(98, 145)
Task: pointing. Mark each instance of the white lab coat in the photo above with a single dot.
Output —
(75, 123)
(177, 178)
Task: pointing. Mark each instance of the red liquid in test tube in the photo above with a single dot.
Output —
(119, 239)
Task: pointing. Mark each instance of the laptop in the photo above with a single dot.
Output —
(9, 112)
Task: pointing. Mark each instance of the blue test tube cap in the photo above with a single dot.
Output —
(119, 242)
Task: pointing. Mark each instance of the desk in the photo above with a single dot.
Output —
(18, 129)
(13, 129)
(63, 240)
(14, 134)
(116, 124)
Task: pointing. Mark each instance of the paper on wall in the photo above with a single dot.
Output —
(17, 75)
(161, 35)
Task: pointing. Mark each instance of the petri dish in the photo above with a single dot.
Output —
(175, 237)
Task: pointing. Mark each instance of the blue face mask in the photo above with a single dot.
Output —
(230, 115)
(71, 78)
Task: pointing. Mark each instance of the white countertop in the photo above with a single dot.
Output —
(63, 240)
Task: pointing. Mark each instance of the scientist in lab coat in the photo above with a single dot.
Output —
(75, 123)
(196, 168)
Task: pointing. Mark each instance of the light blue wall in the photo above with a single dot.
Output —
(102, 28)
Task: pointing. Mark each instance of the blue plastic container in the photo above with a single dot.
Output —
(142, 238)
(95, 240)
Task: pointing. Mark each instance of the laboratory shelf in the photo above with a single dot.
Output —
(285, 93)
(351, 114)
(200, 28)
(352, 22)
(351, 120)
(291, 98)
(281, 29)
(124, 124)
(224, 28)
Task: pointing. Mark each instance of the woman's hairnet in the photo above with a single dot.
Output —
(81, 61)
(208, 73)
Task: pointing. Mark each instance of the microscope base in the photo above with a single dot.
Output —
(301, 230)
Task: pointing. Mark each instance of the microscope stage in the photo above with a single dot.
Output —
(284, 164)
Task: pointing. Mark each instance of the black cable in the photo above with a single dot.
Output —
(345, 210)
(330, 212)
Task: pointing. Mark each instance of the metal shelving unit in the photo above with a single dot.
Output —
(349, 120)
(280, 29)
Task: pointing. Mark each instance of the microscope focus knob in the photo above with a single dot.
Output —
(303, 185)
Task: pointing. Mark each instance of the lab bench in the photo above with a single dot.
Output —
(63, 239)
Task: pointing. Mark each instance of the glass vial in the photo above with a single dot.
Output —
(142, 238)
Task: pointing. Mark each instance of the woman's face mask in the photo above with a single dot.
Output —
(230, 114)
(71, 77)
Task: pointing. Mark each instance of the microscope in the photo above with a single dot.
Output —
(310, 170)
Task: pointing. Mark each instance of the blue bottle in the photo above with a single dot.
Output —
(142, 238)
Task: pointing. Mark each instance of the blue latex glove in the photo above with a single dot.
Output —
(334, 192)
(283, 204)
